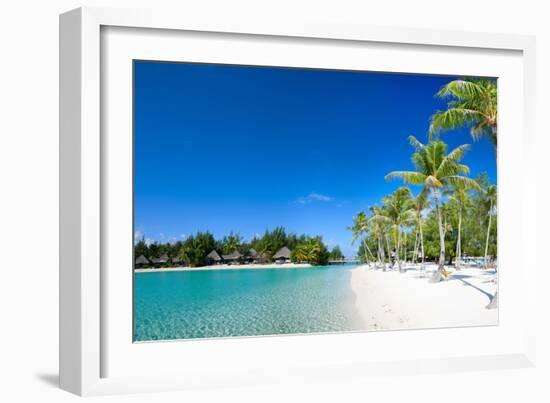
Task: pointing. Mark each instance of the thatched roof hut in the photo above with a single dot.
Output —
(254, 257)
(232, 256)
(141, 260)
(160, 260)
(214, 256)
(283, 253)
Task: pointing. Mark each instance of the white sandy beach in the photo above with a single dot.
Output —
(228, 267)
(391, 300)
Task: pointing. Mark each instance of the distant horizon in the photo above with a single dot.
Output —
(243, 149)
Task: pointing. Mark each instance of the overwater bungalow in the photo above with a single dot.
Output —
(142, 261)
(214, 258)
(232, 258)
(282, 255)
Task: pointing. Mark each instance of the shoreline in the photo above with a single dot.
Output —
(227, 267)
(391, 300)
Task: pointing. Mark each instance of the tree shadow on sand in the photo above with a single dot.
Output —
(462, 277)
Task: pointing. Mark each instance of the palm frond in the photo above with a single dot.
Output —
(449, 165)
(462, 89)
(418, 146)
(469, 183)
(458, 153)
(453, 118)
(409, 177)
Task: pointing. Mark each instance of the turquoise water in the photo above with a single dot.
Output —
(222, 303)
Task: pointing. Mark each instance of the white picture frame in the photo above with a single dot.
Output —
(86, 345)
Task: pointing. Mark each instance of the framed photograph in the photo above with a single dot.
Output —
(250, 201)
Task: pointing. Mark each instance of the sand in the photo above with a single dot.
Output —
(392, 300)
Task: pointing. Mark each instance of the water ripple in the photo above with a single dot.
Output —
(198, 304)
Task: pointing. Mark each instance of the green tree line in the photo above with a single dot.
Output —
(194, 249)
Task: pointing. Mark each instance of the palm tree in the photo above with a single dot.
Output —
(299, 254)
(473, 103)
(416, 244)
(419, 204)
(378, 221)
(308, 252)
(490, 201)
(382, 219)
(435, 170)
(360, 229)
(398, 209)
(231, 242)
(461, 199)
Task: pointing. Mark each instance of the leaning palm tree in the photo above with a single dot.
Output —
(435, 170)
(360, 229)
(398, 207)
(473, 103)
(420, 203)
(491, 200)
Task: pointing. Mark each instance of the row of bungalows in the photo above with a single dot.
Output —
(235, 257)
(213, 258)
(142, 261)
(252, 256)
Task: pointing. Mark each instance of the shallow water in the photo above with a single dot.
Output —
(222, 303)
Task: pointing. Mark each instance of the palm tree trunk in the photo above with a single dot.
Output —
(488, 233)
(381, 249)
(390, 263)
(459, 241)
(494, 301)
(397, 250)
(421, 240)
(378, 256)
(438, 274)
(415, 253)
(367, 249)
(405, 248)
(377, 252)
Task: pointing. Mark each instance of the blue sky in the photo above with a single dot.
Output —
(234, 148)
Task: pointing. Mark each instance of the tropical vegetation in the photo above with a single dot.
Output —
(472, 103)
(441, 214)
(437, 171)
(194, 249)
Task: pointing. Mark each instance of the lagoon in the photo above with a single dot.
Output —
(244, 302)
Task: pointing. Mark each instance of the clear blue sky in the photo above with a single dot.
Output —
(233, 148)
